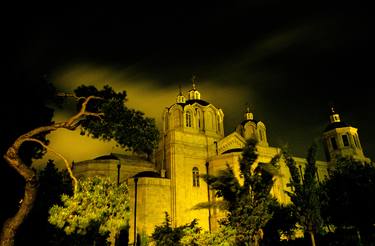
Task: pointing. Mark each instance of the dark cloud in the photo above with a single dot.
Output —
(294, 58)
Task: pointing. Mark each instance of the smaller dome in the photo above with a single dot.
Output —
(180, 98)
(335, 125)
(248, 115)
(335, 121)
(199, 101)
(194, 94)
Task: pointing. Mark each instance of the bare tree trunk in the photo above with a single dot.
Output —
(312, 237)
(12, 224)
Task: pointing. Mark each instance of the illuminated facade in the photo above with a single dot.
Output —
(193, 143)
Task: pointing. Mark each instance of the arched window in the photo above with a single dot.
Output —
(199, 119)
(218, 124)
(188, 119)
(209, 120)
(334, 143)
(261, 135)
(176, 119)
(345, 140)
(195, 177)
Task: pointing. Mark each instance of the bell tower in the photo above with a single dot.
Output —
(251, 128)
(341, 139)
(191, 127)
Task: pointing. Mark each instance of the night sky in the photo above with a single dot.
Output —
(288, 61)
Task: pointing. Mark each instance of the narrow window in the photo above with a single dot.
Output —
(356, 140)
(177, 119)
(345, 140)
(333, 142)
(218, 124)
(199, 119)
(188, 119)
(195, 177)
(261, 135)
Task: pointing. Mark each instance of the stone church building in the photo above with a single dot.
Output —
(193, 143)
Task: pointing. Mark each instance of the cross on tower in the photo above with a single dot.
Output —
(193, 80)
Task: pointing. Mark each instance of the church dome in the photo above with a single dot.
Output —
(194, 94)
(335, 121)
(199, 101)
(335, 125)
(248, 117)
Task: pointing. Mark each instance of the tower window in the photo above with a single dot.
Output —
(261, 135)
(188, 119)
(333, 142)
(345, 140)
(355, 141)
(195, 177)
(177, 119)
(218, 124)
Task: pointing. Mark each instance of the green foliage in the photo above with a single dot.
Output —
(249, 205)
(99, 203)
(128, 127)
(305, 194)
(225, 236)
(350, 193)
(166, 235)
(282, 224)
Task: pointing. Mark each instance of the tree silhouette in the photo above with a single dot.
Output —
(248, 205)
(166, 235)
(102, 114)
(350, 193)
(305, 194)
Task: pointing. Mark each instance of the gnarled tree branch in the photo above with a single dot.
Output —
(68, 166)
(11, 226)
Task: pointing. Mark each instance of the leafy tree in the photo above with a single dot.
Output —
(305, 194)
(98, 202)
(102, 114)
(282, 224)
(225, 236)
(128, 127)
(350, 192)
(249, 204)
(166, 235)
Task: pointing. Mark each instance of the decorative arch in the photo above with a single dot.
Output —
(166, 120)
(199, 118)
(218, 120)
(209, 119)
(176, 117)
(188, 119)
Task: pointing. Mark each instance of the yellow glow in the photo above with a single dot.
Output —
(145, 95)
